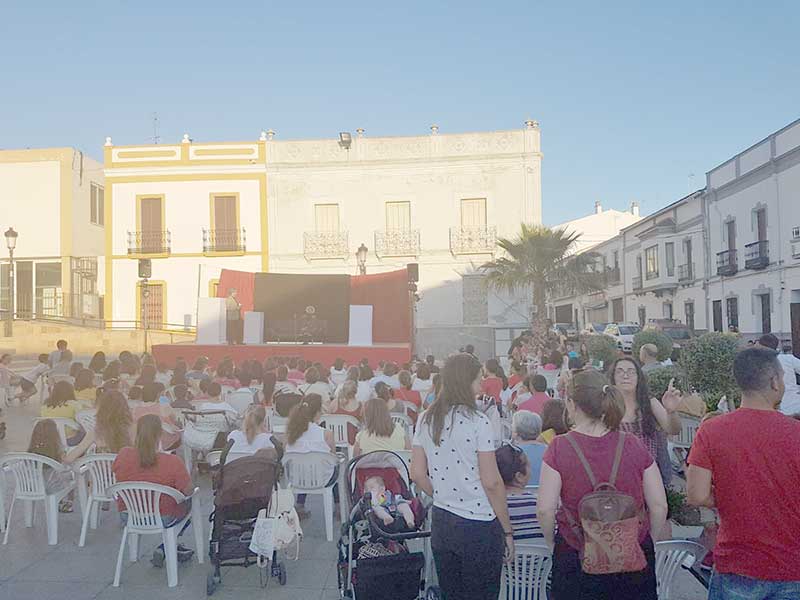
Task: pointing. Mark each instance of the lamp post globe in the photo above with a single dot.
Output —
(11, 239)
(361, 258)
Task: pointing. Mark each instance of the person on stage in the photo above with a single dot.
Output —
(233, 314)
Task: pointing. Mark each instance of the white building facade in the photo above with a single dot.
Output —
(437, 200)
(54, 200)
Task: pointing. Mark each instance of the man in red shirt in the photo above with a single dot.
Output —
(747, 465)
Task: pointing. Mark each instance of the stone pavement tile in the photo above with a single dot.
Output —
(48, 590)
(150, 592)
(13, 560)
(75, 567)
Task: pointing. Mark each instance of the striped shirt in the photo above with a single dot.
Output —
(522, 513)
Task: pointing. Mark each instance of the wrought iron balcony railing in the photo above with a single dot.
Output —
(473, 241)
(686, 272)
(325, 244)
(727, 263)
(224, 240)
(397, 242)
(612, 276)
(756, 255)
(149, 242)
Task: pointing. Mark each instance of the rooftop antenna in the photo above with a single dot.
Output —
(156, 137)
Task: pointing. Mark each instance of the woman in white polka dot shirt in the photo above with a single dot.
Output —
(453, 461)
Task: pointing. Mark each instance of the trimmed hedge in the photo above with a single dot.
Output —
(707, 361)
(658, 380)
(651, 336)
(603, 348)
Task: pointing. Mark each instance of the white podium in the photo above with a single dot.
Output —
(360, 325)
(253, 327)
(211, 320)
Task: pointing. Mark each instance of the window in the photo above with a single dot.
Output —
(732, 311)
(642, 316)
(795, 233)
(616, 259)
(473, 213)
(617, 310)
(688, 309)
(766, 316)
(326, 217)
(225, 223)
(669, 251)
(667, 310)
(730, 234)
(97, 206)
(717, 314)
(761, 224)
(48, 289)
(398, 216)
(651, 262)
(687, 251)
(151, 224)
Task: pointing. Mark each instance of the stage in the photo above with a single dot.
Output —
(324, 353)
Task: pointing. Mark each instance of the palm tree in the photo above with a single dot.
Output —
(542, 260)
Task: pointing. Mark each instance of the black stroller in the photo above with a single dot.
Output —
(375, 560)
(241, 489)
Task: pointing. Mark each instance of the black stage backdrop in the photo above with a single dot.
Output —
(283, 298)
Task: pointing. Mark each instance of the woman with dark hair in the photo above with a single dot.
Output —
(268, 379)
(62, 404)
(147, 376)
(384, 392)
(145, 462)
(597, 451)
(422, 380)
(85, 390)
(453, 461)
(45, 441)
(98, 363)
(152, 405)
(405, 392)
(553, 421)
(303, 434)
(365, 391)
(315, 385)
(111, 371)
(645, 417)
(379, 432)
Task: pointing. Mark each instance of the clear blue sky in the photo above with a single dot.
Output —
(631, 96)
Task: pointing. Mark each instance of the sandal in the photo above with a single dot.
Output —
(65, 506)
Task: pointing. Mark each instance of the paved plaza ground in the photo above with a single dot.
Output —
(30, 569)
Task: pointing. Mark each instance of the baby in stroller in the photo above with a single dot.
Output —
(388, 506)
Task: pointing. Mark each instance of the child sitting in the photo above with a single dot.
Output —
(46, 441)
(386, 505)
(27, 382)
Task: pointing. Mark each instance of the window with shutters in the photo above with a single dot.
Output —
(326, 217)
(225, 234)
(398, 239)
(473, 213)
(151, 237)
(97, 205)
(398, 216)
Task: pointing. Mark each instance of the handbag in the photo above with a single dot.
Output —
(286, 530)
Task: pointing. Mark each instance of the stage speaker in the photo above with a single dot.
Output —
(145, 268)
(413, 272)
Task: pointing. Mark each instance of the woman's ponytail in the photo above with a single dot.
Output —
(597, 399)
(613, 407)
(253, 420)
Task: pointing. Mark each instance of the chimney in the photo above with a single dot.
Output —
(635, 208)
(598, 208)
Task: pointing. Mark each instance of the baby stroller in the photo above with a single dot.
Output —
(241, 488)
(375, 560)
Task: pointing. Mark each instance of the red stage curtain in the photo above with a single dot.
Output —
(244, 284)
(389, 297)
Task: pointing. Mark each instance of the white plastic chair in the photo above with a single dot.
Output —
(87, 419)
(527, 576)
(671, 555)
(62, 423)
(338, 425)
(689, 427)
(278, 423)
(29, 486)
(142, 503)
(96, 471)
(311, 473)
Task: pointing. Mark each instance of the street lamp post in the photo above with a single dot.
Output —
(145, 296)
(11, 243)
(361, 258)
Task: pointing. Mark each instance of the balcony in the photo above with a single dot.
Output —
(318, 245)
(149, 242)
(727, 263)
(397, 242)
(756, 255)
(637, 282)
(649, 275)
(686, 272)
(612, 276)
(227, 241)
(473, 241)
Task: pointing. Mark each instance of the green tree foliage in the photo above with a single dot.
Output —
(651, 336)
(707, 361)
(602, 348)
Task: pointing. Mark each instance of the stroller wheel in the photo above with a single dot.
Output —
(211, 584)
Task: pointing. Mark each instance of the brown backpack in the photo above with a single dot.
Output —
(609, 522)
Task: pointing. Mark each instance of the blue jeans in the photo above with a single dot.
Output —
(725, 586)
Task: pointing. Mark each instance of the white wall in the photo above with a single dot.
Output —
(87, 239)
(31, 204)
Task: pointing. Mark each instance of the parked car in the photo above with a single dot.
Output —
(568, 330)
(594, 328)
(623, 333)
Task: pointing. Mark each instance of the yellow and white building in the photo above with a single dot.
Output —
(305, 206)
(54, 199)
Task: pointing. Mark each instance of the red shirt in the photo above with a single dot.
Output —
(754, 459)
(535, 403)
(599, 451)
(169, 470)
(514, 380)
(492, 386)
(408, 396)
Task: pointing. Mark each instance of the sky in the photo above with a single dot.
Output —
(632, 97)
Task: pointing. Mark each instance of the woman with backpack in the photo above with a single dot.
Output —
(589, 468)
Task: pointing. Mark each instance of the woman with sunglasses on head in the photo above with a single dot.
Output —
(645, 417)
(453, 461)
(597, 445)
